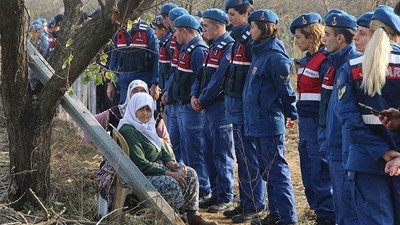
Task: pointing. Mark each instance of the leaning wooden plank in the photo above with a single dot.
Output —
(107, 146)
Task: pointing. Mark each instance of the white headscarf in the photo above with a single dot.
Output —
(134, 84)
(148, 129)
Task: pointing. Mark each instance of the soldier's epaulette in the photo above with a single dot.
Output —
(143, 26)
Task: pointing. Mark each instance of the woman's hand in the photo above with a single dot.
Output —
(172, 165)
(178, 177)
(393, 167)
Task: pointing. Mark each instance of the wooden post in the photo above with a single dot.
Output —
(107, 146)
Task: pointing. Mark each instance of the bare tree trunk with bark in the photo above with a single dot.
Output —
(28, 119)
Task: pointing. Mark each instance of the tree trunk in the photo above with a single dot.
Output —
(29, 121)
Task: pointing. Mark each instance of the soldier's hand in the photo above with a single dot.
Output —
(391, 120)
(390, 154)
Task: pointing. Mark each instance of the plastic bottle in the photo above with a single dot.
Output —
(180, 170)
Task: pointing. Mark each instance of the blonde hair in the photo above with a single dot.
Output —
(376, 57)
(317, 31)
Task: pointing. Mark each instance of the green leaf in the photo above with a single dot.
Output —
(94, 67)
(108, 75)
(69, 42)
(65, 64)
(103, 59)
(30, 35)
(129, 25)
(85, 80)
(113, 78)
(71, 92)
(98, 80)
(70, 58)
(58, 203)
(87, 74)
(149, 18)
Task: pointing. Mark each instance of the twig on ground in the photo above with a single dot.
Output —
(41, 204)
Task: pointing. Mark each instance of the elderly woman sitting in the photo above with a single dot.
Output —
(180, 190)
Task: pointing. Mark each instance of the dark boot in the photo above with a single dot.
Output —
(246, 216)
(238, 210)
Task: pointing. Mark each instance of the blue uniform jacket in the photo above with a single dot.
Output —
(169, 52)
(196, 63)
(214, 87)
(334, 128)
(234, 106)
(268, 96)
(153, 47)
(369, 139)
(311, 108)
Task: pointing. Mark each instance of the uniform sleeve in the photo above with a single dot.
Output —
(114, 55)
(136, 152)
(281, 78)
(195, 88)
(323, 68)
(197, 59)
(349, 115)
(214, 87)
(154, 48)
(196, 63)
(168, 87)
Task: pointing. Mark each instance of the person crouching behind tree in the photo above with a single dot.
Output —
(269, 100)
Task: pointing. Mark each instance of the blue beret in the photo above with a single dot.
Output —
(167, 7)
(386, 15)
(332, 11)
(52, 20)
(37, 22)
(365, 19)
(43, 20)
(217, 15)
(263, 15)
(177, 12)
(304, 20)
(188, 21)
(342, 20)
(157, 22)
(233, 3)
(36, 26)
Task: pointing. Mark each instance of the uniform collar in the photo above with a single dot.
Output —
(220, 39)
(304, 61)
(337, 59)
(184, 47)
(167, 36)
(237, 32)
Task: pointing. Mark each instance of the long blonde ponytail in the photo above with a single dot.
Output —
(376, 58)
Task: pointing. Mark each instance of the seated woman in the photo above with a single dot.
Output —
(106, 173)
(180, 190)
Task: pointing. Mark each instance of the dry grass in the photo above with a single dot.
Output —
(74, 184)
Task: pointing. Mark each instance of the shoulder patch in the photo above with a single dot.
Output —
(285, 78)
(254, 70)
(341, 92)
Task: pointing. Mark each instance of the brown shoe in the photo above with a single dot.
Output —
(198, 220)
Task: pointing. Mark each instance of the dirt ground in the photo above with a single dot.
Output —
(74, 184)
